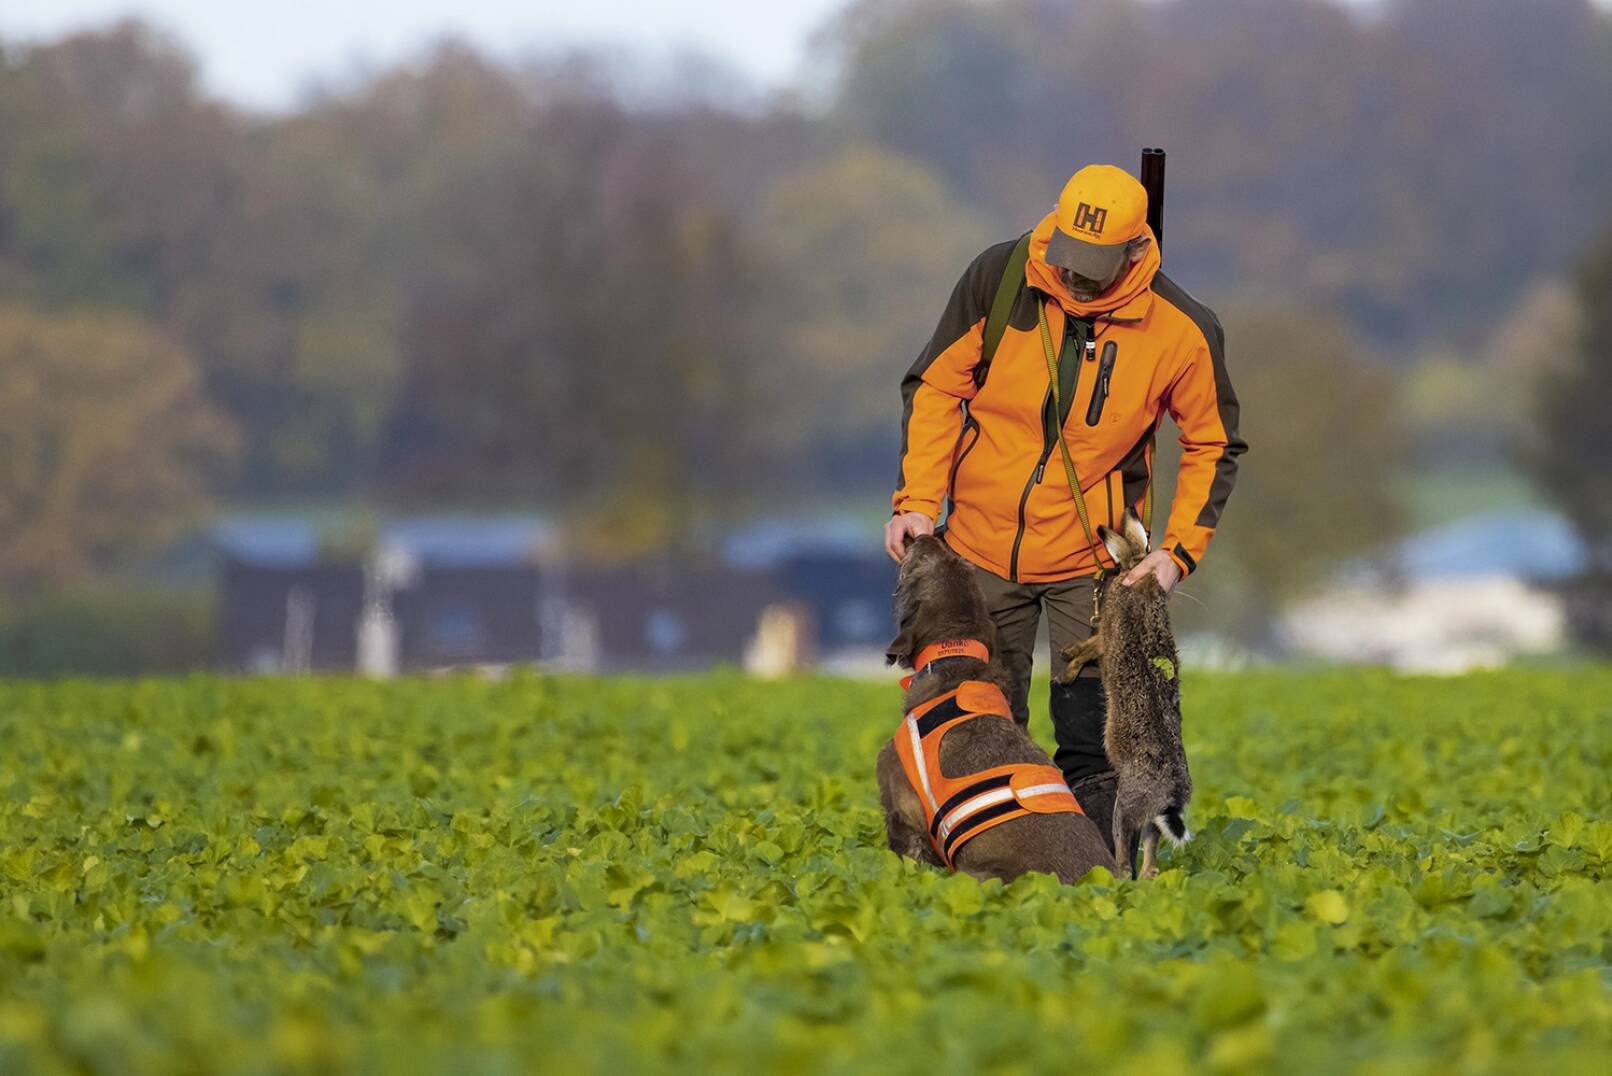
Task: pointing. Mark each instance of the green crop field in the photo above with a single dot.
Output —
(581, 875)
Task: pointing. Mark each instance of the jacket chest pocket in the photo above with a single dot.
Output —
(1105, 377)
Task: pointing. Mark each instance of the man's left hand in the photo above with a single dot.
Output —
(1159, 565)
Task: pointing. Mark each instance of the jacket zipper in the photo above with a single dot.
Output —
(951, 482)
(1049, 440)
(1024, 498)
(1099, 392)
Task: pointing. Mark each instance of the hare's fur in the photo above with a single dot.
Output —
(1135, 649)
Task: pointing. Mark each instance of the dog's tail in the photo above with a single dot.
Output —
(1172, 825)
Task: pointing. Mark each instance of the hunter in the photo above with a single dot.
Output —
(1082, 295)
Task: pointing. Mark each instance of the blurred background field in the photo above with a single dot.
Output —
(688, 874)
(414, 336)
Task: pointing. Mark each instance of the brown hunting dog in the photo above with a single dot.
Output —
(962, 784)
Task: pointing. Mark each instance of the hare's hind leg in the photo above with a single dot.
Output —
(1123, 833)
(1079, 655)
(1132, 819)
(1150, 848)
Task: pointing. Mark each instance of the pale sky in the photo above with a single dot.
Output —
(262, 54)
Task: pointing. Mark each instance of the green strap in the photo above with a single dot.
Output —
(1063, 447)
(1007, 292)
(1152, 486)
(996, 323)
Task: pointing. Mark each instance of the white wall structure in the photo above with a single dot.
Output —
(1475, 592)
(1441, 625)
(390, 568)
(780, 643)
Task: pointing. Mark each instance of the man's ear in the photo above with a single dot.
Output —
(1139, 247)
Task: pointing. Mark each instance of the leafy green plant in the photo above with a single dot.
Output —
(690, 875)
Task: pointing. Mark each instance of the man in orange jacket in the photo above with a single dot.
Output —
(1128, 344)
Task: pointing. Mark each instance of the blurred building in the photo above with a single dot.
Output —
(834, 570)
(417, 593)
(1473, 593)
(276, 617)
(420, 594)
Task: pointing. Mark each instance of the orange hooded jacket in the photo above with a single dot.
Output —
(988, 448)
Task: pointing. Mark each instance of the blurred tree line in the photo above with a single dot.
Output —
(1568, 451)
(463, 282)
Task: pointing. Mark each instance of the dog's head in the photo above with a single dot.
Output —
(936, 599)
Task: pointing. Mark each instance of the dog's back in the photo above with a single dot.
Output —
(1065, 845)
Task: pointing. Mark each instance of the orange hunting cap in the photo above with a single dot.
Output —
(1100, 210)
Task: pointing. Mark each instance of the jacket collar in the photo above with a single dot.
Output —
(1129, 299)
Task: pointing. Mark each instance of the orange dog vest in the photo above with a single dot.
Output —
(958, 809)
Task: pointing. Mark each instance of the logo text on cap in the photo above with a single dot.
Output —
(1089, 218)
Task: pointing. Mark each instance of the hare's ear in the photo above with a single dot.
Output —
(1115, 543)
(1136, 533)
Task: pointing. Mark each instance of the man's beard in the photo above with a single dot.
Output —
(1084, 288)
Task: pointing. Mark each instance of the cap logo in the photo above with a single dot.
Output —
(1089, 218)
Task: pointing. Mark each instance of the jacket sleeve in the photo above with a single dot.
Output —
(936, 386)
(1204, 406)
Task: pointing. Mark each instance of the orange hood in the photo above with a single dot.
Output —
(1129, 297)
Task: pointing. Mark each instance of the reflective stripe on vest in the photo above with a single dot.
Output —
(956, 810)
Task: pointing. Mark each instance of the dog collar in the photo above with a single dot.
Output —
(947, 648)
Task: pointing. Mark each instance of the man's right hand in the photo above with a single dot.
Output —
(902, 529)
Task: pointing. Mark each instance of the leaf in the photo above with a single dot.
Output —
(1597, 841)
(962, 896)
(730, 906)
(1239, 1049)
(1242, 807)
(1565, 833)
(420, 909)
(1490, 902)
(1229, 995)
(1328, 906)
(1294, 940)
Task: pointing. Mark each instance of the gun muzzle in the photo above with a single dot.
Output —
(1153, 183)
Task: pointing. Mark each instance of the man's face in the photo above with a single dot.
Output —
(1085, 289)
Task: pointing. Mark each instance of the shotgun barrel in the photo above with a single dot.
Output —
(1153, 183)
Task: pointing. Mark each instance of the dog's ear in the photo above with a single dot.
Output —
(901, 650)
